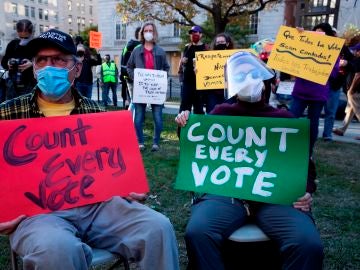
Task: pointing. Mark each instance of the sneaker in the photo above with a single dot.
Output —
(155, 148)
(338, 132)
(141, 147)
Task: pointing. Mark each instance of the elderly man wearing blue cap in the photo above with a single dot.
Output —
(64, 239)
(190, 99)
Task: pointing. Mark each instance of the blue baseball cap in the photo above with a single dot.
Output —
(195, 28)
(356, 47)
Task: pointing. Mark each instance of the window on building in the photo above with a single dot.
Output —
(32, 12)
(91, 22)
(14, 25)
(70, 19)
(91, 10)
(253, 24)
(14, 8)
(82, 7)
(40, 1)
(41, 28)
(69, 5)
(78, 7)
(78, 21)
(27, 11)
(313, 12)
(41, 12)
(177, 30)
(46, 15)
(120, 31)
(55, 16)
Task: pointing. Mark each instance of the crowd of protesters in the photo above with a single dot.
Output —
(52, 75)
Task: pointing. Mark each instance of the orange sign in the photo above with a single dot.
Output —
(95, 39)
(54, 163)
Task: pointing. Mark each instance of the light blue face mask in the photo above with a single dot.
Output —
(53, 82)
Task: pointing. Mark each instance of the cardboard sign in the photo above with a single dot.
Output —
(306, 54)
(95, 39)
(253, 158)
(210, 68)
(55, 163)
(285, 88)
(150, 86)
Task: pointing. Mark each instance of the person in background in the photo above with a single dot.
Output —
(64, 239)
(214, 218)
(311, 95)
(126, 83)
(210, 98)
(353, 95)
(148, 55)
(190, 98)
(109, 80)
(84, 83)
(17, 61)
(336, 84)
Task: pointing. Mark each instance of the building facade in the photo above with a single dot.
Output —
(70, 16)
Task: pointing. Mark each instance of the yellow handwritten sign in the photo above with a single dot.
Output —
(210, 68)
(308, 55)
(95, 39)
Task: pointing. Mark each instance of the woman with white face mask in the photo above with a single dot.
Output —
(17, 62)
(148, 55)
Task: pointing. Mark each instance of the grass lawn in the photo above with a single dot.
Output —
(336, 202)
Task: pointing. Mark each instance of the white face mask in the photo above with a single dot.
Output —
(249, 89)
(24, 41)
(148, 36)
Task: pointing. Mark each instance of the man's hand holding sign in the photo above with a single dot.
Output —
(68, 162)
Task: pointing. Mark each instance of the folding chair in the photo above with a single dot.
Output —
(100, 256)
(249, 233)
(255, 247)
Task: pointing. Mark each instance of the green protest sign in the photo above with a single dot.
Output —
(253, 158)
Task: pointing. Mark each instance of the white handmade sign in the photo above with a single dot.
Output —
(285, 88)
(150, 86)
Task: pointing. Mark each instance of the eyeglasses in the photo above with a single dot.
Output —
(55, 60)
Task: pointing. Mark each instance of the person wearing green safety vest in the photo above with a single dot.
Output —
(109, 80)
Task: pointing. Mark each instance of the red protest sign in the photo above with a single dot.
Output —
(54, 163)
(95, 39)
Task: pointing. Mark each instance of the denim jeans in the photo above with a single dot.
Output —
(105, 93)
(330, 112)
(139, 119)
(85, 89)
(315, 107)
